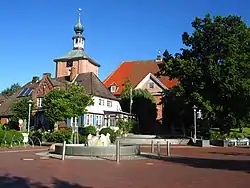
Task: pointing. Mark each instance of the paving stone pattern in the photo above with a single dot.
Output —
(186, 168)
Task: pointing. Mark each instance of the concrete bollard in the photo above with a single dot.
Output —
(117, 151)
(63, 152)
(158, 149)
(152, 146)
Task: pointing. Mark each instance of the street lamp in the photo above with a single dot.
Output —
(29, 103)
(195, 108)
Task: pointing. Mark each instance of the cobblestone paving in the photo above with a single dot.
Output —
(186, 168)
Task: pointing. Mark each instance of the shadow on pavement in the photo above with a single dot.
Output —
(231, 153)
(20, 182)
(221, 164)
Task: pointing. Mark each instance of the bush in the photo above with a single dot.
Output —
(112, 133)
(60, 136)
(85, 131)
(125, 125)
(10, 137)
(82, 139)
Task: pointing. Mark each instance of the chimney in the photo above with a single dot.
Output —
(35, 79)
(46, 74)
(72, 74)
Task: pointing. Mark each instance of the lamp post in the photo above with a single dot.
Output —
(29, 103)
(195, 108)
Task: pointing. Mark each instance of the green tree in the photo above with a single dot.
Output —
(69, 103)
(20, 109)
(143, 107)
(11, 90)
(213, 70)
(61, 104)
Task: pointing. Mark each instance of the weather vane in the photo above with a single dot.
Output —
(79, 14)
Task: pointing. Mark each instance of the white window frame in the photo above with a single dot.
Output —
(39, 102)
(89, 119)
(101, 102)
(98, 120)
(113, 88)
(109, 103)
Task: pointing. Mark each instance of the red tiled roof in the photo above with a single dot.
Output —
(135, 71)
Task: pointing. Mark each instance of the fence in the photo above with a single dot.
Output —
(19, 141)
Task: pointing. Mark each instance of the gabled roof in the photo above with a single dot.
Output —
(92, 84)
(76, 54)
(135, 71)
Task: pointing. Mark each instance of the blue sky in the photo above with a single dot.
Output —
(34, 32)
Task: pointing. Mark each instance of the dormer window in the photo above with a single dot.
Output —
(113, 88)
(69, 64)
(151, 85)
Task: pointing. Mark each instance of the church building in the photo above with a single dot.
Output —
(76, 66)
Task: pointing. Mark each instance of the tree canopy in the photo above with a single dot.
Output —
(143, 106)
(61, 104)
(214, 70)
(20, 109)
(11, 90)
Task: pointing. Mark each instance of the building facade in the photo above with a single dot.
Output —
(74, 67)
(142, 75)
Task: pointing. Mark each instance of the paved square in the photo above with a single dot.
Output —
(186, 168)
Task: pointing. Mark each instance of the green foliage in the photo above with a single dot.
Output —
(112, 133)
(144, 107)
(11, 90)
(82, 139)
(42, 136)
(88, 130)
(213, 71)
(125, 125)
(20, 109)
(60, 136)
(62, 104)
(10, 136)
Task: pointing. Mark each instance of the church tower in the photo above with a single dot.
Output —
(77, 58)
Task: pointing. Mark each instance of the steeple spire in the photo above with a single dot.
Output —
(79, 15)
(158, 58)
(78, 39)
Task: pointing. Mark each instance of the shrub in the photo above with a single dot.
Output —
(82, 139)
(8, 137)
(112, 133)
(125, 125)
(85, 131)
(60, 136)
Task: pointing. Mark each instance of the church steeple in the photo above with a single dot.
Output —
(78, 38)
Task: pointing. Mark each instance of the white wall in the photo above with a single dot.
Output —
(100, 108)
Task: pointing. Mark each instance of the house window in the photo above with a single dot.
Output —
(109, 103)
(69, 64)
(39, 102)
(101, 102)
(98, 120)
(151, 85)
(89, 119)
(113, 89)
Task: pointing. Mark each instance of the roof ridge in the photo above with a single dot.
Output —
(104, 85)
(132, 61)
